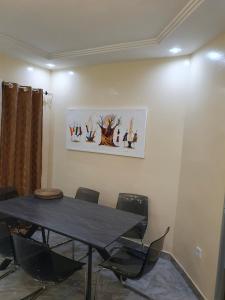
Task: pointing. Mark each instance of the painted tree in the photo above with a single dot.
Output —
(108, 125)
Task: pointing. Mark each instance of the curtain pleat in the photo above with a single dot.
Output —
(36, 137)
(23, 141)
(21, 138)
(8, 134)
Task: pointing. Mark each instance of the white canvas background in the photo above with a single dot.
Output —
(81, 117)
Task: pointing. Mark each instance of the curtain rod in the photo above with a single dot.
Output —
(46, 93)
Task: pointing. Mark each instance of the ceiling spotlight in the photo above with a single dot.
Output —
(175, 50)
(71, 73)
(50, 65)
(30, 69)
(213, 55)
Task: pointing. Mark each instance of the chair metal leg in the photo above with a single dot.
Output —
(61, 244)
(35, 294)
(97, 283)
(48, 236)
(73, 250)
(7, 273)
(89, 275)
(123, 284)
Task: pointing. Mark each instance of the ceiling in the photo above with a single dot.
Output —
(80, 32)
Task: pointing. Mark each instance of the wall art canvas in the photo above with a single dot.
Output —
(109, 131)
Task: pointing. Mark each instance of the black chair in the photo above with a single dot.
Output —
(6, 250)
(81, 194)
(41, 263)
(137, 204)
(87, 195)
(6, 247)
(5, 194)
(17, 226)
(8, 193)
(127, 263)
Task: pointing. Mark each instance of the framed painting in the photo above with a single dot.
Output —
(109, 131)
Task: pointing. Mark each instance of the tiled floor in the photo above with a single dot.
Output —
(163, 283)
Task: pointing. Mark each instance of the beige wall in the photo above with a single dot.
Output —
(202, 178)
(184, 167)
(14, 70)
(162, 87)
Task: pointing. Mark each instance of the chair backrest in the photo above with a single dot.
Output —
(5, 194)
(8, 193)
(6, 246)
(34, 258)
(133, 203)
(153, 253)
(87, 195)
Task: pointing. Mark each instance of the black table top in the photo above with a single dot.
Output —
(87, 222)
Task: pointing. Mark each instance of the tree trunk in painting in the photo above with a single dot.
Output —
(108, 125)
(107, 137)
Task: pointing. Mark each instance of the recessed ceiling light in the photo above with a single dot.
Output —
(71, 73)
(30, 69)
(175, 50)
(50, 65)
(213, 55)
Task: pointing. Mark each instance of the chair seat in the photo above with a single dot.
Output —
(42, 263)
(124, 263)
(131, 263)
(63, 267)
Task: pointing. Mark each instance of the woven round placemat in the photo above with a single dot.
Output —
(48, 194)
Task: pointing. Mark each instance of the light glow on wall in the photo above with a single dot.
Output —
(214, 55)
(187, 62)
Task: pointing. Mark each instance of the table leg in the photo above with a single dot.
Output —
(89, 279)
(43, 235)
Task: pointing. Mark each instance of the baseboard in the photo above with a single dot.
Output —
(199, 294)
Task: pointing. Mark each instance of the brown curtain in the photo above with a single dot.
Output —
(21, 138)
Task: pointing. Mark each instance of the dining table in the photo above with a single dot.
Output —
(97, 226)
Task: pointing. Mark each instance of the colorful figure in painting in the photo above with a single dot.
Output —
(135, 139)
(108, 125)
(125, 138)
(75, 132)
(90, 136)
(118, 137)
(130, 138)
(130, 135)
(91, 133)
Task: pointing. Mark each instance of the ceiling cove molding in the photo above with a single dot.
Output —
(189, 8)
(10, 42)
(105, 49)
